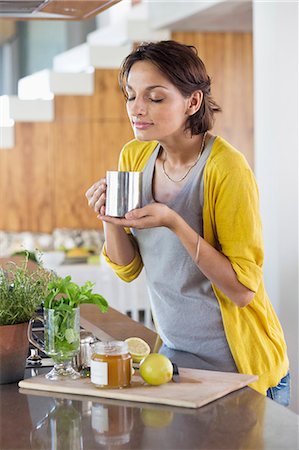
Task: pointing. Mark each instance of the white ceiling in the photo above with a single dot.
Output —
(198, 15)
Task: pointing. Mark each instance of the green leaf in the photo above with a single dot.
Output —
(98, 300)
(70, 335)
(64, 307)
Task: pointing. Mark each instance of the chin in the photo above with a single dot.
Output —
(144, 137)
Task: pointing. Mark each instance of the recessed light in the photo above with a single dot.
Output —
(69, 10)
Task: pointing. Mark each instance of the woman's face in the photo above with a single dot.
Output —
(156, 108)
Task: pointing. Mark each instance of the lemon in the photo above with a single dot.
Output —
(138, 348)
(156, 369)
(78, 252)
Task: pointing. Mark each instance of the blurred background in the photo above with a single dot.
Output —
(63, 123)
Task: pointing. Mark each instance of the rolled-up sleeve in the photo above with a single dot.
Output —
(238, 225)
(129, 272)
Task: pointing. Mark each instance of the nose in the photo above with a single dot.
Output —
(137, 107)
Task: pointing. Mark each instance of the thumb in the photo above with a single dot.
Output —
(136, 213)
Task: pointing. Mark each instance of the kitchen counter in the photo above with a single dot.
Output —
(39, 420)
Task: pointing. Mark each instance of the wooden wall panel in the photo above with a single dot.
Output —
(82, 154)
(229, 61)
(89, 134)
(26, 180)
(106, 103)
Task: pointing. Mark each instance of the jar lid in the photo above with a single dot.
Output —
(110, 348)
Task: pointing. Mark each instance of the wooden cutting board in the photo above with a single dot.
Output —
(195, 389)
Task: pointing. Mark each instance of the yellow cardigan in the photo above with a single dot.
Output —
(231, 224)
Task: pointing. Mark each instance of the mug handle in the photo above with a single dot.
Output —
(29, 332)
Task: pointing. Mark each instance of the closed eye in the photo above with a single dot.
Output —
(151, 99)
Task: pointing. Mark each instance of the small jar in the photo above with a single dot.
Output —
(111, 364)
(111, 424)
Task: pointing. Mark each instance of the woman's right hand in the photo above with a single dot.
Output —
(96, 196)
(119, 246)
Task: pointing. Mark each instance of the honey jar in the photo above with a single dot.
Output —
(111, 364)
(111, 424)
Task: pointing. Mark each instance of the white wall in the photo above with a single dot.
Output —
(44, 40)
(275, 33)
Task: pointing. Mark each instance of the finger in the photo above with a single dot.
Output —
(115, 221)
(101, 190)
(137, 213)
(92, 189)
(99, 203)
(94, 199)
(145, 222)
(101, 213)
(89, 193)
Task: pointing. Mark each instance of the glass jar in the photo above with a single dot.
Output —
(111, 364)
(111, 424)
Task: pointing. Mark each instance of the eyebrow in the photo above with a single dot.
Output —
(149, 88)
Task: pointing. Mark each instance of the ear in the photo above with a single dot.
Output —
(194, 102)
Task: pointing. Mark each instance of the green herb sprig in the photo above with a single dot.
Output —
(21, 291)
(63, 298)
(65, 295)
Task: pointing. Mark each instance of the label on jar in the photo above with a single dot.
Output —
(99, 372)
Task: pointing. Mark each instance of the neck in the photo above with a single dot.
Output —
(182, 151)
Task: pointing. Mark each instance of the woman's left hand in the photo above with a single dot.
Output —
(150, 216)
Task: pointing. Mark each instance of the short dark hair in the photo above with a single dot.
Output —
(181, 64)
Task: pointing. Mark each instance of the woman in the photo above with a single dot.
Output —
(198, 234)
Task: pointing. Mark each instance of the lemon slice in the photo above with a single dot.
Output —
(138, 348)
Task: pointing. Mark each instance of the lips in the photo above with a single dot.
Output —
(142, 125)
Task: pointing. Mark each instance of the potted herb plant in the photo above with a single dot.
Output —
(61, 323)
(21, 293)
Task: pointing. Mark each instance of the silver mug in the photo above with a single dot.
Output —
(124, 191)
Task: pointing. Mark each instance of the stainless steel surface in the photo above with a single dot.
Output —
(34, 359)
(86, 339)
(124, 191)
(31, 337)
(241, 420)
(83, 358)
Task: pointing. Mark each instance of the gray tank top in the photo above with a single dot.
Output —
(184, 305)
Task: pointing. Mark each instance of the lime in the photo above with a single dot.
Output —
(138, 348)
(156, 369)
